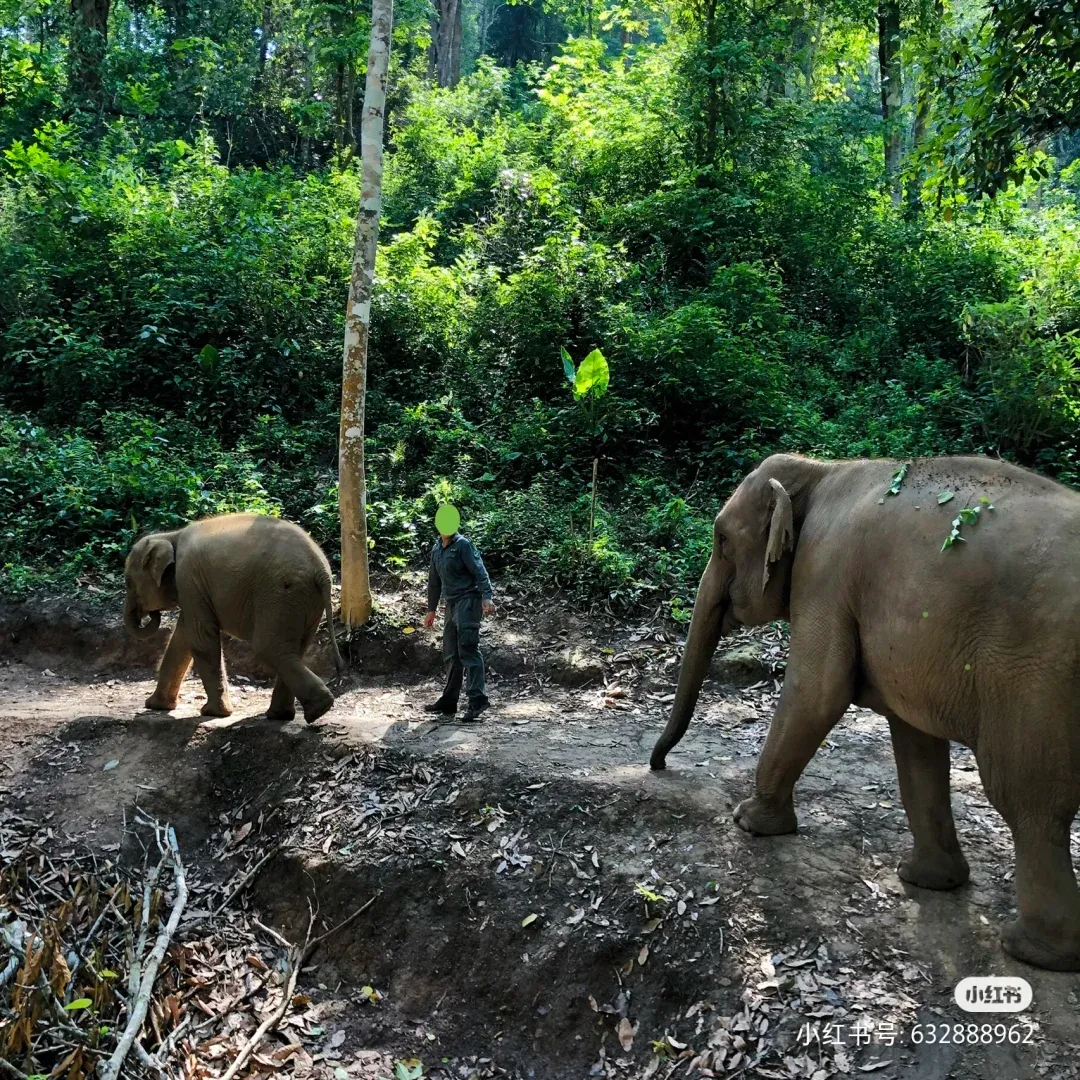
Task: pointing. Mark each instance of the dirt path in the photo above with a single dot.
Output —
(664, 939)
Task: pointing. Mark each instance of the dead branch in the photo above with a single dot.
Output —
(135, 975)
(244, 883)
(310, 949)
(141, 1001)
(271, 1022)
(272, 933)
(9, 1070)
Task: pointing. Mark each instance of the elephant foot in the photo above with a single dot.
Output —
(281, 715)
(160, 702)
(1053, 951)
(762, 817)
(934, 870)
(217, 709)
(319, 707)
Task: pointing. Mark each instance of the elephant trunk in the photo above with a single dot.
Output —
(133, 619)
(705, 630)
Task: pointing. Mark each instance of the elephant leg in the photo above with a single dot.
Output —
(817, 690)
(174, 666)
(282, 702)
(1038, 803)
(315, 697)
(922, 766)
(210, 664)
(279, 643)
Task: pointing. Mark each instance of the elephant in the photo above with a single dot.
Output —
(252, 577)
(956, 625)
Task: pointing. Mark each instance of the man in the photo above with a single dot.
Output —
(457, 573)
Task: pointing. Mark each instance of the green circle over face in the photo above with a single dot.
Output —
(447, 519)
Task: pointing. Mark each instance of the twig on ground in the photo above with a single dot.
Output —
(9, 1070)
(146, 1057)
(172, 1038)
(244, 883)
(272, 1021)
(271, 932)
(141, 1001)
(135, 975)
(228, 1007)
(310, 948)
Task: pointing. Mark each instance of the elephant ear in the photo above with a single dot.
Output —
(158, 558)
(781, 527)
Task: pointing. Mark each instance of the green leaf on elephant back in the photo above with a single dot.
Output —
(567, 366)
(898, 478)
(593, 375)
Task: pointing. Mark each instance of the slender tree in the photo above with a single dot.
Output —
(446, 41)
(892, 91)
(352, 491)
(86, 55)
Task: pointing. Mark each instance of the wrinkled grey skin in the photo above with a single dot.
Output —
(979, 644)
(255, 578)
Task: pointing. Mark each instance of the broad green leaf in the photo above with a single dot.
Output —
(78, 1003)
(898, 479)
(567, 366)
(944, 497)
(592, 377)
(208, 358)
(105, 973)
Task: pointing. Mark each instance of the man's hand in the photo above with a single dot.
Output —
(489, 607)
(429, 619)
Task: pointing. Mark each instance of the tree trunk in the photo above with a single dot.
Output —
(86, 53)
(339, 105)
(923, 104)
(350, 94)
(352, 491)
(311, 56)
(712, 85)
(447, 42)
(892, 90)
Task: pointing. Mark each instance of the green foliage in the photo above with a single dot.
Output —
(1008, 80)
(694, 197)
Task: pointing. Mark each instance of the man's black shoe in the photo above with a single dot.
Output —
(440, 706)
(472, 713)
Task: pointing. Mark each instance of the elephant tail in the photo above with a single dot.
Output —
(328, 604)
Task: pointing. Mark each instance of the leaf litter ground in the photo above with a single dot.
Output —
(516, 898)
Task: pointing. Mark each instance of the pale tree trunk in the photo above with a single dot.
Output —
(489, 9)
(892, 91)
(352, 492)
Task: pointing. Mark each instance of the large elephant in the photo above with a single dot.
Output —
(978, 643)
(256, 578)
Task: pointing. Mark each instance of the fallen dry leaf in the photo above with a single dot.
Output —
(626, 1033)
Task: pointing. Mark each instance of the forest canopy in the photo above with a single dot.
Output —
(837, 227)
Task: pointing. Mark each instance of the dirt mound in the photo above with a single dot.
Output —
(545, 907)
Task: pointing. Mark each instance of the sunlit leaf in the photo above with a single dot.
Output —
(592, 376)
(567, 366)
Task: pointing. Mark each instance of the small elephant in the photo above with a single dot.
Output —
(977, 642)
(256, 578)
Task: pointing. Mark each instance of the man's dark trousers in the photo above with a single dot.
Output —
(461, 652)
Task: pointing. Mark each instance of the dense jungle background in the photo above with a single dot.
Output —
(839, 227)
